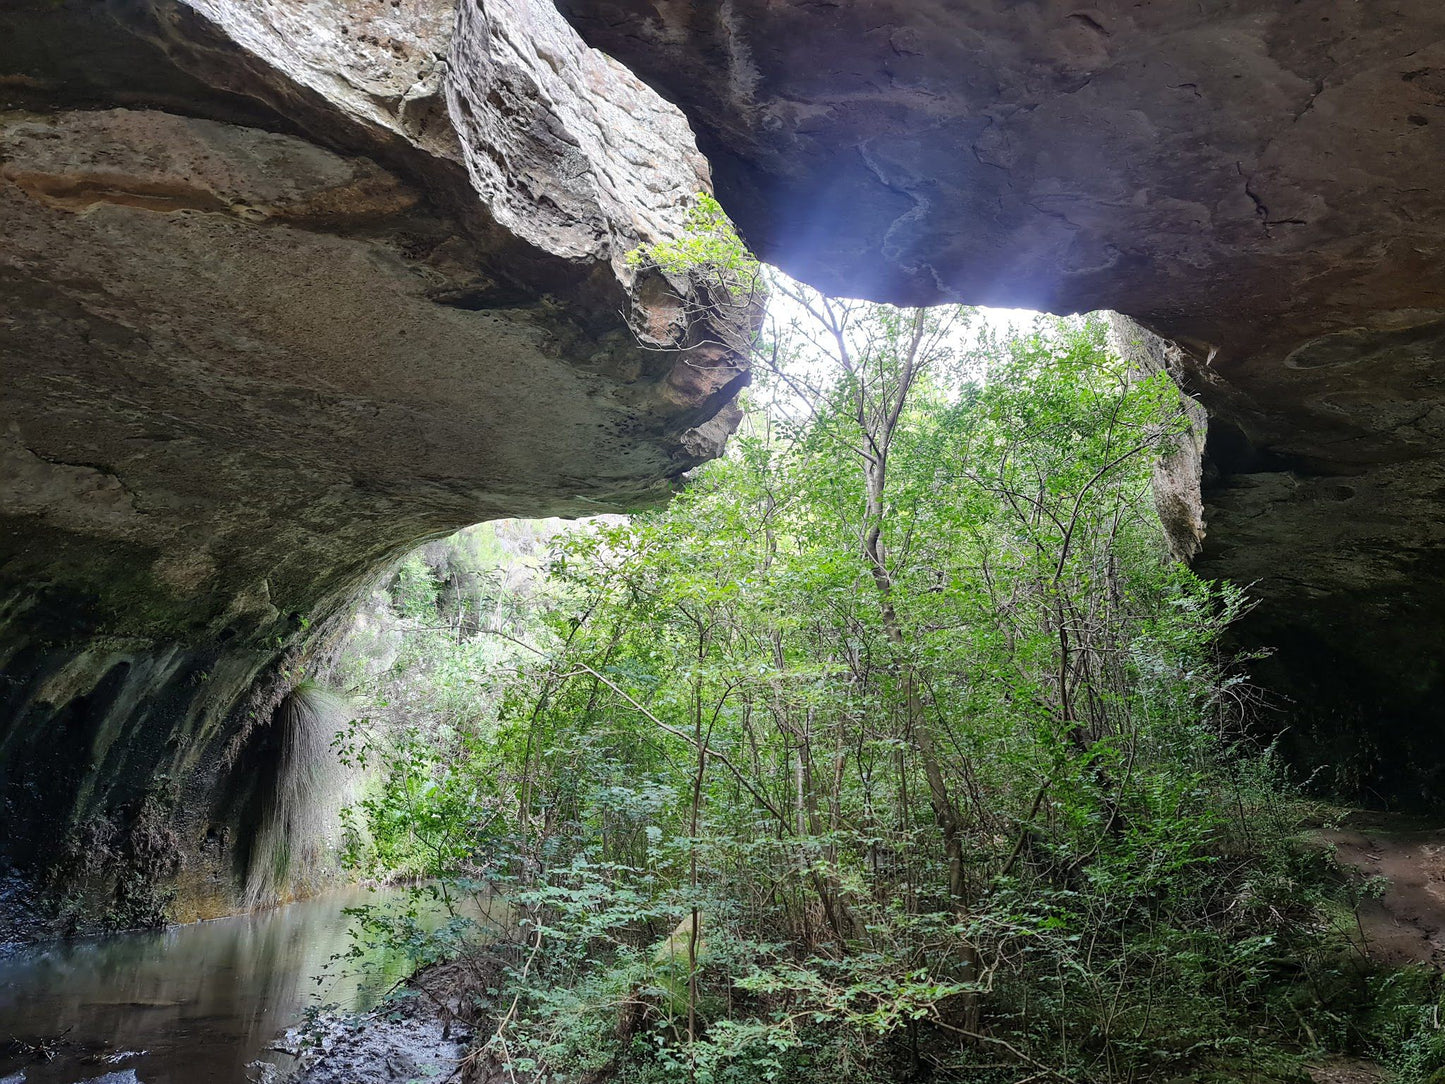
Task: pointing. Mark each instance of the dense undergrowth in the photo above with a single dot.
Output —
(895, 748)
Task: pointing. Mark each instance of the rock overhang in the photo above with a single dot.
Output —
(289, 288)
(408, 313)
(1254, 182)
(432, 204)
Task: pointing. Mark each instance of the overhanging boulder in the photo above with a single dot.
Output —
(285, 289)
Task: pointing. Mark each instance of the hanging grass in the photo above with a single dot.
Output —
(300, 813)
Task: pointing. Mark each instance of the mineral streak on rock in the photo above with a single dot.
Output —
(287, 287)
(1256, 181)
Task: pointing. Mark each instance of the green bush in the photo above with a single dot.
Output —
(904, 708)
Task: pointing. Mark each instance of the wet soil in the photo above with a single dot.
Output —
(1403, 923)
(1406, 923)
(409, 1040)
(1349, 1071)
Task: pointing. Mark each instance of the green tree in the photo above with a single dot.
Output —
(895, 744)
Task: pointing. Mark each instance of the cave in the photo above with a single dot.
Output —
(1253, 183)
(278, 307)
(292, 286)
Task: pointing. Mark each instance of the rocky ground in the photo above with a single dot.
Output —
(423, 1034)
(404, 1043)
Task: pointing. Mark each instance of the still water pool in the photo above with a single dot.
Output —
(189, 1005)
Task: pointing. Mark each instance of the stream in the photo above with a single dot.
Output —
(187, 1005)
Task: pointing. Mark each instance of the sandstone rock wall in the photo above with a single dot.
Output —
(287, 287)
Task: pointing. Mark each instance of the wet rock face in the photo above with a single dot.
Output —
(286, 288)
(1255, 180)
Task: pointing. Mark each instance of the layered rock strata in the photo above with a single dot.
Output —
(286, 288)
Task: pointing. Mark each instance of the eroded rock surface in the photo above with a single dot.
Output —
(1255, 180)
(287, 287)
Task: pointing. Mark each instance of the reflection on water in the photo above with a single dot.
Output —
(199, 1001)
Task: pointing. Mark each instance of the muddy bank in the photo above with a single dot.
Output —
(406, 1040)
(432, 1028)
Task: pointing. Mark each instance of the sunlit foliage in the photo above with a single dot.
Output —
(895, 746)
